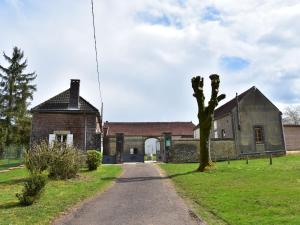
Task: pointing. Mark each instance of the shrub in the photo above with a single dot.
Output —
(93, 159)
(32, 190)
(37, 159)
(62, 162)
(65, 162)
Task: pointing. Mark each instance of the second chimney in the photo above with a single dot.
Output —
(74, 94)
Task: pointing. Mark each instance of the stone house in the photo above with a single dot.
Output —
(252, 122)
(67, 118)
(128, 141)
(292, 136)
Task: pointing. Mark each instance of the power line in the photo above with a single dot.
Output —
(96, 55)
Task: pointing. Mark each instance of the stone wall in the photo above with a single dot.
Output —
(221, 149)
(134, 142)
(222, 127)
(44, 124)
(184, 150)
(187, 150)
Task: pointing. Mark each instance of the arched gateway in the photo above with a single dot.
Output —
(152, 148)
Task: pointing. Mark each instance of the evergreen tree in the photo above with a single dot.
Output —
(16, 92)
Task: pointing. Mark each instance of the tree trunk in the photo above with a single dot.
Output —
(205, 114)
(204, 151)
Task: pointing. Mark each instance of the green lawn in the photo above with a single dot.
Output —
(7, 163)
(257, 193)
(58, 196)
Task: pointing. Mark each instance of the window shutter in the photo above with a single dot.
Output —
(70, 139)
(51, 139)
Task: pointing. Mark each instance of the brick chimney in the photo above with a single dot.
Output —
(74, 94)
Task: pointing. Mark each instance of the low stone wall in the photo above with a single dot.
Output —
(221, 149)
(184, 150)
(188, 150)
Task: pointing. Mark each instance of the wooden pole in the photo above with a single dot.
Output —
(228, 159)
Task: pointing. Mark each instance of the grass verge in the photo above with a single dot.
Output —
(58, 196)
(237, 193)
(7, 163)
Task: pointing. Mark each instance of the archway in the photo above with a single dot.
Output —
(152, 148)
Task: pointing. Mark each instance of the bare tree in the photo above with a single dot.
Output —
(205, 114)
(291, 115)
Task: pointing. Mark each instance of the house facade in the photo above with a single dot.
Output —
(252, 122)
(67, 118)
(130, 141)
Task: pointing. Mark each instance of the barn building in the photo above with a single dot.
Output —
(67, 118)
(252, 122)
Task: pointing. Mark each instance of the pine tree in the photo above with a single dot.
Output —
(16, 92)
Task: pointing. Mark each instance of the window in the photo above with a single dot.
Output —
(63, 137)
(259, 135)
(223, 133)
(215, 125)
(216, 134)
(133, 151)
(216, 129)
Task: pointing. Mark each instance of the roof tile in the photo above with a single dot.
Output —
(227, 107)
(60, 103)
(149, 128)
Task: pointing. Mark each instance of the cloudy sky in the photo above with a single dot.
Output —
(150, 49)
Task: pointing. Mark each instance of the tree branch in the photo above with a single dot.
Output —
(197, 84)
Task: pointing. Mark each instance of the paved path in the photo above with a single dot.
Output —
(141, 196)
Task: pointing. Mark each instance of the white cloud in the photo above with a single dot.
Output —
(146, 66)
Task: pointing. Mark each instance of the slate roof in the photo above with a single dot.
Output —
(227, 107)
(149, 128)
(60, 103)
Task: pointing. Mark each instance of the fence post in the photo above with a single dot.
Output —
(228, 160)
(271, 160)
(247, 159)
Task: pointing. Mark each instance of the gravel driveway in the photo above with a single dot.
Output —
(141, 196)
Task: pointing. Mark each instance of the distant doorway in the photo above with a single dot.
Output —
(152, 149)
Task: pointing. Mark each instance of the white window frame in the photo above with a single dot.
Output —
(68, 140)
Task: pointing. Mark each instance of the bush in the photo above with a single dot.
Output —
(93, 159)
(65, 162)
(32, 190)
(38, 158)
(62, 162)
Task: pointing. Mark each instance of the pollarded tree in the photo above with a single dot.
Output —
(16, 92)
(205, 114)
